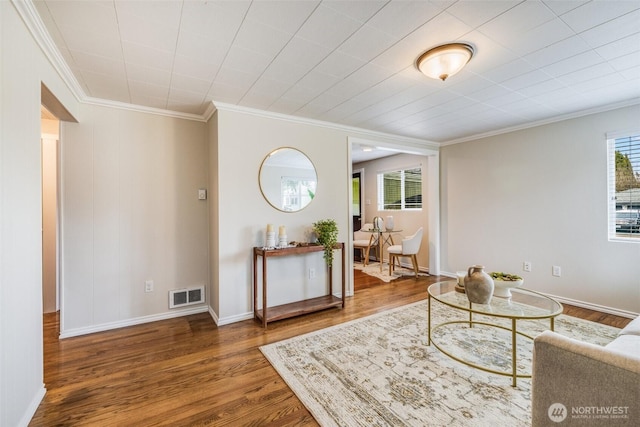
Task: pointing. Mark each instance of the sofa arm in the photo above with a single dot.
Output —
(595, 385)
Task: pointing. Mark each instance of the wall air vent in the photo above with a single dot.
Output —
(189, 296)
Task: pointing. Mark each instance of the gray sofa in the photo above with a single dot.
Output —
(580, 384)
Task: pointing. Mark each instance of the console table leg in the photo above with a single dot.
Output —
(264, 292)
(255, 285)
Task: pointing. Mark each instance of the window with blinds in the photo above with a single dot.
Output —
(624, 186)
(400, 189)
(296, 192)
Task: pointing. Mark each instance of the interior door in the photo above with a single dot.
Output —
(357, 198)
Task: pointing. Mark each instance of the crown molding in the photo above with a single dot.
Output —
(34, 23)
(27, 11)
(209, 111)
(142, 109)
(555, 119)
(422, 143)
(32, 20)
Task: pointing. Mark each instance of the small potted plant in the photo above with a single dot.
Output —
(327, 232)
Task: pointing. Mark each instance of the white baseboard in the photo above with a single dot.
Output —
(231, 319)
(33, 407)
(131, 322)
(213, 315)
(577, 303)
(596, 307)
(448, 274)
(235, 318)
(410, 267)
(238, 317)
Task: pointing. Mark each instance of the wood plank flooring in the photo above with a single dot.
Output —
(189, 372)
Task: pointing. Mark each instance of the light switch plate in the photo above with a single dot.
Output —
(202, 194)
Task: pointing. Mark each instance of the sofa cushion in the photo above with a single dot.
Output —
(628, 345)
(632, 328)
(578, 374)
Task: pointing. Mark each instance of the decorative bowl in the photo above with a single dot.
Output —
(502, 288)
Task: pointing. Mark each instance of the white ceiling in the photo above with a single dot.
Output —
(352, 62)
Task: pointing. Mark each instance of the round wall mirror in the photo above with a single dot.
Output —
(288, 179)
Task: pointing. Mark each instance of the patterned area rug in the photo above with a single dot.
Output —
(379, 371)
(373, 269)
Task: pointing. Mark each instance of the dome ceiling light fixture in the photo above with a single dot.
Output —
(445, 60)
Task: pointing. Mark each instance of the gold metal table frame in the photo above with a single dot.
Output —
(444, 293)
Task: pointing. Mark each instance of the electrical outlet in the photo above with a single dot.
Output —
(312, 273)
(526, 266)
(148, 286)
(556, 271)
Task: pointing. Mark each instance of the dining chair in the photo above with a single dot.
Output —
(409, 247)
(364, 241)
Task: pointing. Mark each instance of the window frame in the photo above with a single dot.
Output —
(380, 189)
(296, 183)
(612, 210)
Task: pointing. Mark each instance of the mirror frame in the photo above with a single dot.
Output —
(261, 184)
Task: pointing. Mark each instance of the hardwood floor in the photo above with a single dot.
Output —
(189, 372)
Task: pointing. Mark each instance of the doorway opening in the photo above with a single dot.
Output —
(356, 204)
(374, 158)
(49, 129)
(52, 113)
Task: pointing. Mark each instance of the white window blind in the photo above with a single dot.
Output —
(296, 192)
(623, 175)
(400, 189)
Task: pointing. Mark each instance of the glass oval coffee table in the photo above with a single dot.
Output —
(524, 304)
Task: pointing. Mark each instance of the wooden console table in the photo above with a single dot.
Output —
(269, 314)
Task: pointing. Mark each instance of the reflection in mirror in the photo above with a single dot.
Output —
(288, 179)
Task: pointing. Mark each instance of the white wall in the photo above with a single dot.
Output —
(23, 69)
(130, 213)
(540, 195)
(213, 223)
(408, 221)
(244, 213)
